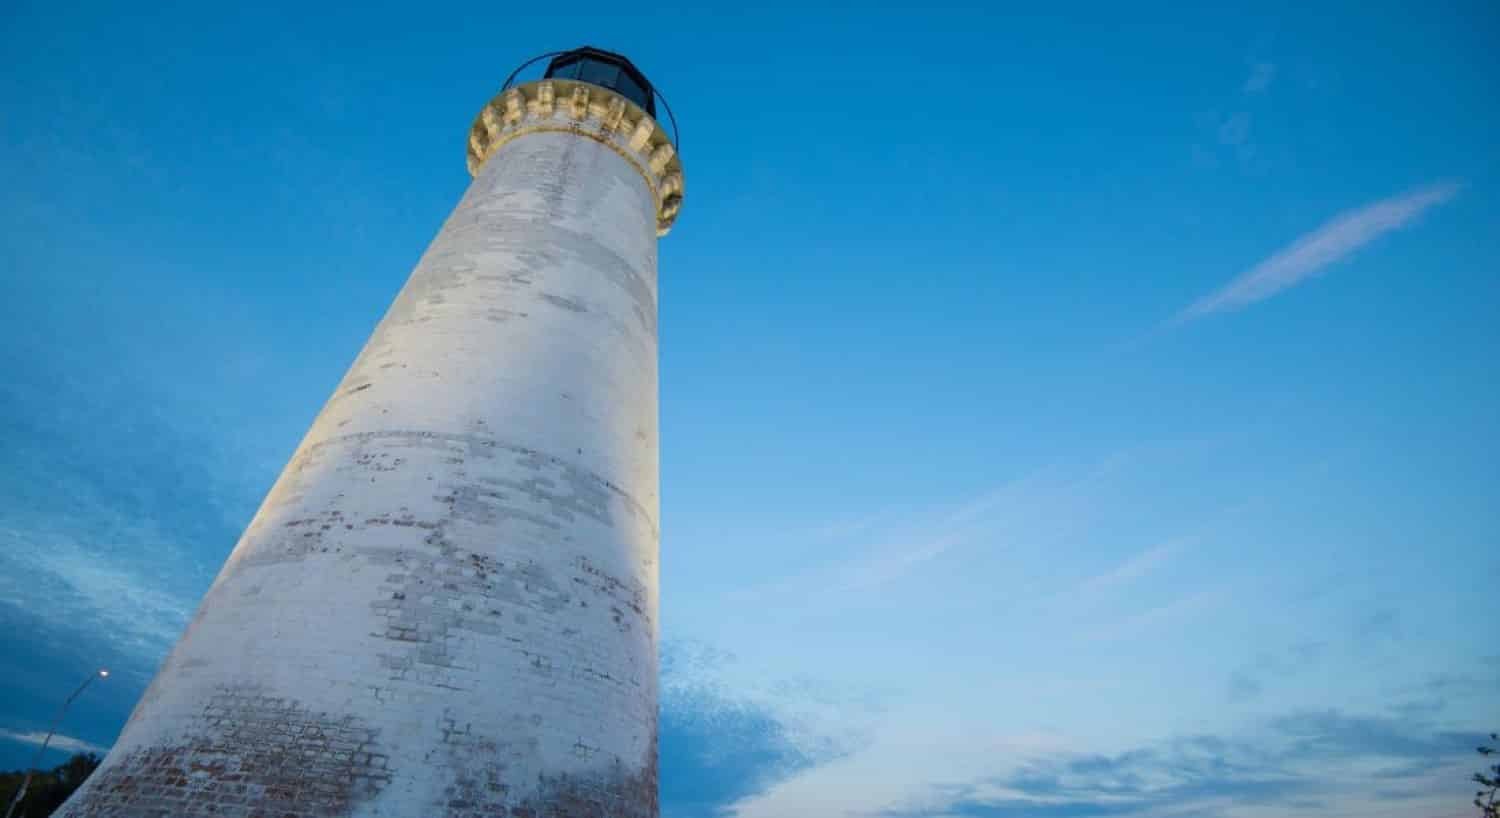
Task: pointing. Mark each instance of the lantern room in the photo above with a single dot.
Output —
(607, 70)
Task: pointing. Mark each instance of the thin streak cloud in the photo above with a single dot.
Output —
(1178, 609)
(66, 744)
(1316, 251)
(1129, 570)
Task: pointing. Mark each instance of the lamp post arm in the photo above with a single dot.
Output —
(56, 720)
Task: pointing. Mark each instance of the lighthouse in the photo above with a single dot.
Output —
(447, 604)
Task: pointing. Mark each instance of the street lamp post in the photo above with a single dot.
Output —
(61, 711)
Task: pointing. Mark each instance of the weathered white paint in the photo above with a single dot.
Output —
(447, 603)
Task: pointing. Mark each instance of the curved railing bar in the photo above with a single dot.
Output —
(524, 65)
(676, 137)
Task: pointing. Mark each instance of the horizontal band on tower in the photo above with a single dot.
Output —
(590, 111)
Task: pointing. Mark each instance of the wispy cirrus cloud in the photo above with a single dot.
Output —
(1261, 75)
(1011, 527)
(930, 537)
(66, 744)
(1318, 250)
(1053, 498)
(1230, 135)
(116, 504)
(1110, 604)
(141, 611)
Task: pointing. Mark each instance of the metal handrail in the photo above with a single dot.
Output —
(676, 137)
(522, 67)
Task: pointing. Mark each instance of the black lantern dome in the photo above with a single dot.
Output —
(606, 70)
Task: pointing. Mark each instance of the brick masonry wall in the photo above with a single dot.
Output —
(446, 606)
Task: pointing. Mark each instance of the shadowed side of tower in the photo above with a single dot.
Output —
(447, 604)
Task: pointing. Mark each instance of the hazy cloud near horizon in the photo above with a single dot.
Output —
(1293, 763)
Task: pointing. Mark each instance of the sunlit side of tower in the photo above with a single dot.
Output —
(447, 604)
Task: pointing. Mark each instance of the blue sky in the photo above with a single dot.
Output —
(1071, 412)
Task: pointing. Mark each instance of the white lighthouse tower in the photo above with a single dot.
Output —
(447, 604)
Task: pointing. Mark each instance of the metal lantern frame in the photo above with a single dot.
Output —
(578, 57)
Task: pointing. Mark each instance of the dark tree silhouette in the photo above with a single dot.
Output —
(1490, 779)
(49, 788)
